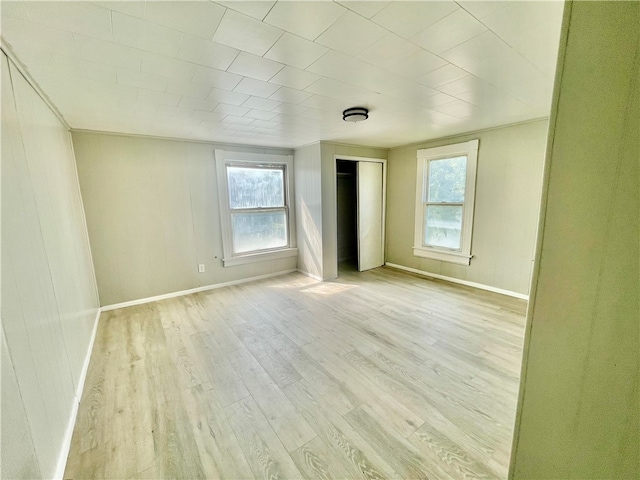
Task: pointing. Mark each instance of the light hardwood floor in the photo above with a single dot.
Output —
(379, 374)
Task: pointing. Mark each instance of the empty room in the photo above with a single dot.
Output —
(320, 239)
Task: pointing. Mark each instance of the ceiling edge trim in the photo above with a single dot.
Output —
(24, 71)
(288, 150)
(471, 132)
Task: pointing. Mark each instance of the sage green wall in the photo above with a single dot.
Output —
(508, 189)
(153, 216)
(49, 298)
(578, 414)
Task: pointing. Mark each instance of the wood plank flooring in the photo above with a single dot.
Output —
(379, 374)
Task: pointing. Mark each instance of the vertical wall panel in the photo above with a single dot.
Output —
(309, 209)
(18, 455)
(49, 301)
(579, 411)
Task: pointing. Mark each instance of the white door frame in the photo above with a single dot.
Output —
(334, 213)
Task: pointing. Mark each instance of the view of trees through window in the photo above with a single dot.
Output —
(258, 211)
(445, 194)
(255, 187)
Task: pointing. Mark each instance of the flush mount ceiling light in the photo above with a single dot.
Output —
(355, 114)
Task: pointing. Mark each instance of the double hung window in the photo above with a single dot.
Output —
(255, 206)
(445, 191)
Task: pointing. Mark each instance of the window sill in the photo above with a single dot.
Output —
(452, 257)
(260, 257)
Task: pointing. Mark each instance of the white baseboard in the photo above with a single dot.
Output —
(68, 435)
(310, 275)
(461, 282)
(192, 290)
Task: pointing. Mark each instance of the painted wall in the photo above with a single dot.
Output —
(328, 151)
(153, 215)
(508, 189)
(49, 298)
(578, 414)
(306, 165)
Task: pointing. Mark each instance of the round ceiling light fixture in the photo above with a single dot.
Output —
(355, 114)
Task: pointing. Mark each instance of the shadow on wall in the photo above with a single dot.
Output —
(309, 255)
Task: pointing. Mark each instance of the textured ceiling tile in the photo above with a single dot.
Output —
(246, 33)
(255, 9)
(418, 65)
(167, 67)
(261, 114)
(365, 8)
(231, 109)
(237, 120)
(133, 8)
(145, 35)
(75, 17)
(260, 103)
(388, 51)
(294, 78)
(409, 18)
(305, 19)
(205, 52)
(195, 104)
(28, 37)
(141, 80)
(290, 109)
(290, 95)
(295, 51)
(160, 98)
(253, 66)
(216, 78)
(196, 18)
(228, 97)
(452, 30)
(351, 34)
(108, 52)
(196, 91)
(256, 87)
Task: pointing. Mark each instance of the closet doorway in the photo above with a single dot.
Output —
(360, 213)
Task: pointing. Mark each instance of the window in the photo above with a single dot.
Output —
(255, 206)
(445, 191)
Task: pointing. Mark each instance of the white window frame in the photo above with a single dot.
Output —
(461, 256)
(226, 157)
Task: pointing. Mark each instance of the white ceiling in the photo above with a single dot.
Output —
(280, 73)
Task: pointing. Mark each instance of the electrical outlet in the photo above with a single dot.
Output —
(201, 268)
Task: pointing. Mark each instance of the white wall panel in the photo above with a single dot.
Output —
(16, 446)
(309, 209)
(153, 216)
(49, 300)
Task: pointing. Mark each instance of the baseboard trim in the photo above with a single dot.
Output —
(458, 281)
(68, 435)
(310, 275)
(181, 293)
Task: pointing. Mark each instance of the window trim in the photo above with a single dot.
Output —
(226, 157)
(463, 255)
